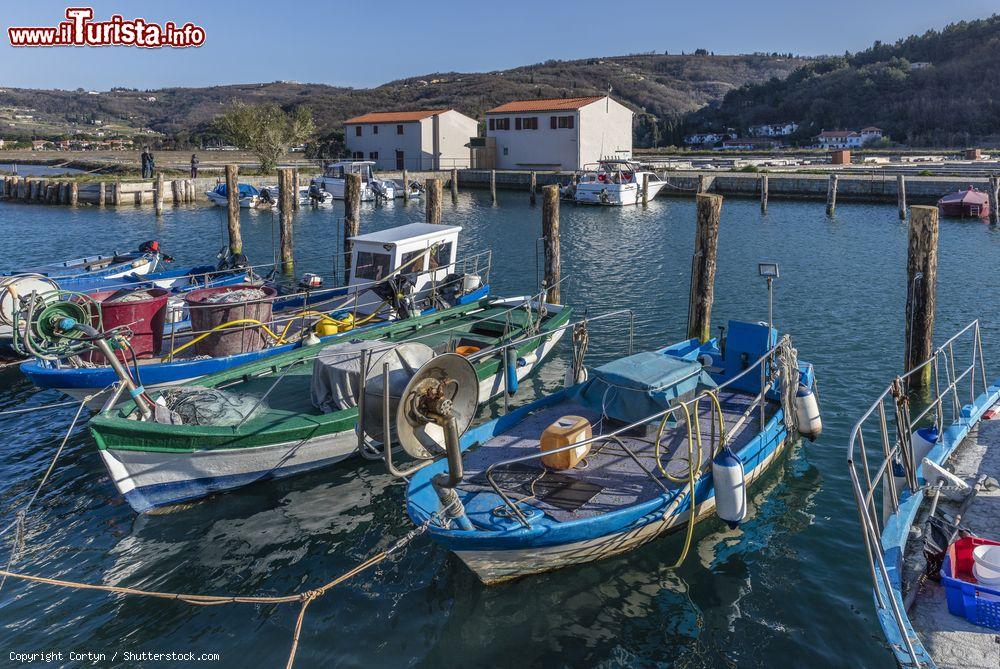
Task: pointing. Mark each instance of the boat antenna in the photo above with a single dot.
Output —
(769, 270)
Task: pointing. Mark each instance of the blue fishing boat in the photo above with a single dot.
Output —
(648, 444)
(923, 466)
(397, 273)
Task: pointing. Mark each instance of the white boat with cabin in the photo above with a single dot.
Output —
(615, 183)
(372, 188)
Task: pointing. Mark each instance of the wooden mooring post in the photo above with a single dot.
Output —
(831, 194)
(285, 234)
(101, 194)
(550, 234)
(74, 193)
(645, 189)
(901, 195)
(158, 194)
(352, 219)
(763, 193)
(233, 210)
(702, 183)
(994, 198)
(493, 186)
(295, 189)
(454, 184)
(432, 192)
(532, 188)
(406, 187)
(921, 293)
(703, 265)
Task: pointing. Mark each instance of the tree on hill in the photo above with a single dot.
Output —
(267, 131)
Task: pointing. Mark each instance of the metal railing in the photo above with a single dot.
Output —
(768, 374)
(895, 424)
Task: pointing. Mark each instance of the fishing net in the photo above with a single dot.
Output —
(211, 406)
(235, 296)
(134, 296)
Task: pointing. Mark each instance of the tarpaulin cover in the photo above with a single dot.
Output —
(244, 190)
(634, 388)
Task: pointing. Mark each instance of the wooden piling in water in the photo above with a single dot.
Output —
(296, 203)
(233, 209)
(74, 194)
(702, 183)
(550, 233)
(33, 189)
(116, 193)
(921, 293)
(406, 187)
(703, 266)
(532, 189)
(285, 235)
(352, 219)
(158, 194)
(645, 188)
(432, 193)
(175, 191)
(901, 195)
(493, 186)
(763, 193)
(831, 194)
(22, 188)
(994, 198)
(454, 184)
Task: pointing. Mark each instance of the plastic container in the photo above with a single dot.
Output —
(234, 327)
(565, 431)
(141, 311)
(976, 602)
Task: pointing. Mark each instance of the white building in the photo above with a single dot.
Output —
(559, 133)
(429, 139)
(774, 129)
(848, 139)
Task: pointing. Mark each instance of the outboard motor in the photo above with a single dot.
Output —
(316, 194)
(379, 189)
(266, 197)
(153, 246)
(232, 261)
(397, 290)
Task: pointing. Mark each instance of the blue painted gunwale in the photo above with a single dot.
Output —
(897, 529)
(177, 371)
(422, 501)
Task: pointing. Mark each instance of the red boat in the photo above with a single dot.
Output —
(965, 204)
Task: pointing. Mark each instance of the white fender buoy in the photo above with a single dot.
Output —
(923, 441)
(730, 487)
(807, 419)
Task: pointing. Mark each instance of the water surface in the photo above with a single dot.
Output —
(786, 589)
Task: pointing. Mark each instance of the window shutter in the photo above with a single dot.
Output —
(554, 122)
(569, 122)
(492, 124)
(517, 123)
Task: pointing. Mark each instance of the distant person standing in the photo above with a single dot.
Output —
(146, 158)
(194, 165)
(151, 163)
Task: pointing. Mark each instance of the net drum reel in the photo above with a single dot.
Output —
(434, 410)
(48, 325)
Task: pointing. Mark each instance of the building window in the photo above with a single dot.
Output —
(357, 131)
(505, 150)
(566, 122)
(373, 155)
(493, 124)
(374, 129)
(359, 155)
(529, 123)
(399, 129)
(499, 124)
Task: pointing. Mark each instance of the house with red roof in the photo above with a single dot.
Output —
(559, 133)
(423, 139)
(848, 139)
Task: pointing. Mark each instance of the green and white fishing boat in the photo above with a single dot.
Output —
(297, 412)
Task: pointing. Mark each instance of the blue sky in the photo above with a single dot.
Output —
(367, 43)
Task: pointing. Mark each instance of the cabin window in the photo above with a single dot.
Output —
(373, 155)
(399, 129)
(372, 266)
(416, 267)
(442, 257)
(357, 131)
(374, 129)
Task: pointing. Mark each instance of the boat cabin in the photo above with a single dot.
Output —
(612, 172)
(341, 168)
(422, 251)
(969, 203)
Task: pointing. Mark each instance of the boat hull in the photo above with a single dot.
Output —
(150, 479)
(616, 195)
(497, 566)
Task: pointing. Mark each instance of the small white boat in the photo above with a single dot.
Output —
(372, 188)
(249, 196)
(615, 183)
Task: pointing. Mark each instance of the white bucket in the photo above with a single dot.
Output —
(987, 558)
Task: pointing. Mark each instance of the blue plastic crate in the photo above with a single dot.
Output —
(979, 604)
